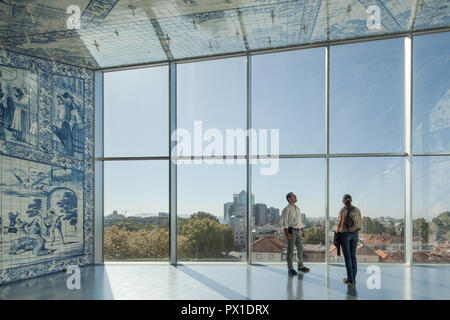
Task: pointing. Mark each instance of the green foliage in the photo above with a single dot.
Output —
(372, 226)
(421, 229)
(207, 237)
(441, 226)
(390, 229)
(186, 248)
(153, 244)
(228, 238)
(203, 215)
(132, 226)
(314, 235)
(200, 236)
(180, 223)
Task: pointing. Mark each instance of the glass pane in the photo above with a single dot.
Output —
(431, 93)
(431, 209)
(366, 97)
(212, 95)
(204, 192)
(136, 210)
(304, 177)
(288, 93)
(377, 187)
(136, 112)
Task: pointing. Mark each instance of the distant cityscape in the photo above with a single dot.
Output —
(381, 240)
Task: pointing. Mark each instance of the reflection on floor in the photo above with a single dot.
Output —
(221, 281)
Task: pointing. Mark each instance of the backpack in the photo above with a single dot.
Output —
(352, 221)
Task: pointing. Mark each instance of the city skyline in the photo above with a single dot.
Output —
(223, 217)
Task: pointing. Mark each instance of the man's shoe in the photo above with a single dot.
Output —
(303, 269)
(292, 272)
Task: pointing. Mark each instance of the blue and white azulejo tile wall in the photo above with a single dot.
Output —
(46, 166)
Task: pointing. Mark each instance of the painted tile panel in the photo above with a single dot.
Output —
(46, 150)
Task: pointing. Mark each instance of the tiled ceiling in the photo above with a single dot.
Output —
(127, 32)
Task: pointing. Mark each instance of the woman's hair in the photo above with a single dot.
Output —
(347, 199)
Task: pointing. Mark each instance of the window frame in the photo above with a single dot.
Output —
(408, 155)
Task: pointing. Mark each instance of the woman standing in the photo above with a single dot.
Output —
(350, 221)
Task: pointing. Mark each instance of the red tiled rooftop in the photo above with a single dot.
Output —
(365, 251)
(398, 256)
(361, 250)
(268, 244)
(383, 255)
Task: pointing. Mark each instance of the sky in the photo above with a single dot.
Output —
(287, 93)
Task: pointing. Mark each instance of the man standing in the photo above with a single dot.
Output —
(291, 222)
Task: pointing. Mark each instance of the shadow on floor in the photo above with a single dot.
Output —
(212, 284)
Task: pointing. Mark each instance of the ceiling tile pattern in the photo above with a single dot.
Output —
(127, 32)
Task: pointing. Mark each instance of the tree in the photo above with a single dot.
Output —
(153, 244)
(372, 226)
(34, 207)
(116, 243)
(315, 235)
(200, 236)
(441, 226)
(132, 226)
(206, 237)
(421, 229)
(185, 247)
(180, 223)
(120, 243)
(391, 229)
(228, 238)
(203, 215)
(68, 205)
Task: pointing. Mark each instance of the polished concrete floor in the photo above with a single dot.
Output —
(223, 281)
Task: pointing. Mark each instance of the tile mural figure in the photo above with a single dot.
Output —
(18, 106)
(68, 116)
(12, 222)
(55, 223)
(45, 211)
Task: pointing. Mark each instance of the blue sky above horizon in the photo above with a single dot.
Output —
(288, 93)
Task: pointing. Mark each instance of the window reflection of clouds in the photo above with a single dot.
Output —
(431, 90)
(431, 180)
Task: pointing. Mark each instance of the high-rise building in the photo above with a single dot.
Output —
(260, 213)
(239, 205)
(239, 226)
(273, 215)
(226, 211)
(241, 198)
